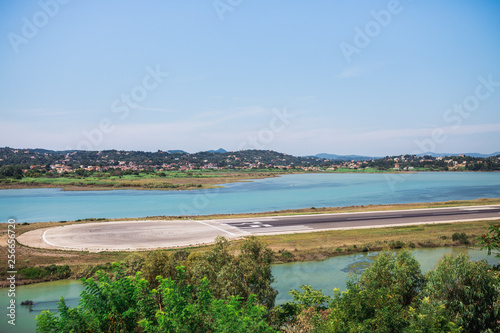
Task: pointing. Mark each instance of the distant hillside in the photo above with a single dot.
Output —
(219, 151)
(218, 158)
(334, 157)
(454, 154)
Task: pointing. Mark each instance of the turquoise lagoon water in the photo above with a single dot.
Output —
(324, 275)
(334, 272)
(286, 192)
(45, 296)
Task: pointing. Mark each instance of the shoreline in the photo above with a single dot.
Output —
(293, 247)
(187, 183)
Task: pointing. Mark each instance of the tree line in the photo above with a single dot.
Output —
(230, 290)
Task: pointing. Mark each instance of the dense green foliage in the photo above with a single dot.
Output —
(27, 157)
(379, 299)
(43, 160)
(11, 171)
(491, 241)
(242, 274)
(230, 291)
(393, 296)
(460, 237)
(52, 271)
(218, 291)
(127, 304)
(469, 291)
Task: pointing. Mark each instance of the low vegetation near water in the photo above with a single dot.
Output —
(224, 290)
(136, 180)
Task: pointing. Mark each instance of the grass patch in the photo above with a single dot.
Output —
(323, 244)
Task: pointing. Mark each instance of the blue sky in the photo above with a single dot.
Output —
(300, 77)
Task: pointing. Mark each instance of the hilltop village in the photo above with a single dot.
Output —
(33, 162)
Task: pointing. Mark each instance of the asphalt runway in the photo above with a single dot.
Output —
(286, 224)
(143, 235)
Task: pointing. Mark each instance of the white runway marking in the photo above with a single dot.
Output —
(212, 226)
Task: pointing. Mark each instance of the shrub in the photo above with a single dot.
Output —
(287, 255)
(396, 245)
(53, 271)
(469, 291)
(378, 301)
(460, 237)
(31, 272)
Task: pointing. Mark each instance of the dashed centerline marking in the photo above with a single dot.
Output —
(250, 225)
(373, 218)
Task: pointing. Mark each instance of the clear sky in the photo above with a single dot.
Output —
(300, 77)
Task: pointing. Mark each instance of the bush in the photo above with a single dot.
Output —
(31, 273)
(287, 255)
(469, 291)
(460, 237)
(396, 245)
(378, 301)
(52, 271)
(129, 304)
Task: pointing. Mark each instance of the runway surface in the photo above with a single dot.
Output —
(142, 235)
(285, 224)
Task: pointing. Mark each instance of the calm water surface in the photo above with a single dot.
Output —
(334, 272)
(286, 192)
(45, 295)
(324, 275)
